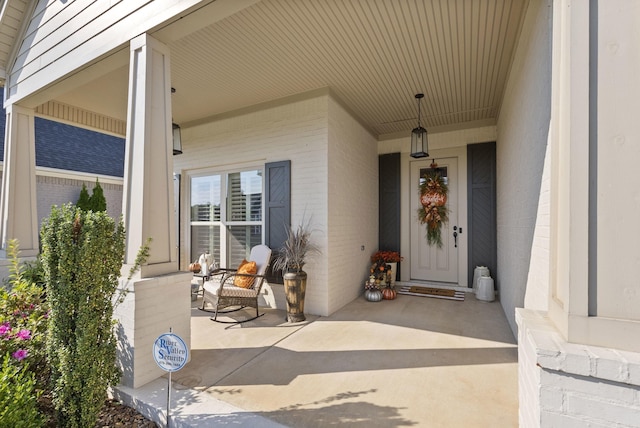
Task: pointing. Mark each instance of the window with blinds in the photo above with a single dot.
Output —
(226, 215)
(244, 196)
(205, 198)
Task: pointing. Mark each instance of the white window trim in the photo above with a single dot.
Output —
(223, 224)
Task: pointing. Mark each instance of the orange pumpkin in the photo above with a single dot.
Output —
(195, 267)
(389, 293)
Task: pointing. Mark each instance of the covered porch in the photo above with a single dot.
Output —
(329, 87)
(397, 362)
(326, 86)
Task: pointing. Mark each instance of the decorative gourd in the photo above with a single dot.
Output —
(195, 267)
(373, 295)
(389, 293)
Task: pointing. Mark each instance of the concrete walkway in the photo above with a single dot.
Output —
(413, 361)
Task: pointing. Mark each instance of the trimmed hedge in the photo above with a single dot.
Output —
(82, 255)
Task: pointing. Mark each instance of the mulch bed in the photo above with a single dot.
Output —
(113, 414)
(116, 414)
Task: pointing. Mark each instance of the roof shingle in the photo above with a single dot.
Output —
(70, 148)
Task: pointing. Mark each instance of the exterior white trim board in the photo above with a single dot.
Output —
(76, 175)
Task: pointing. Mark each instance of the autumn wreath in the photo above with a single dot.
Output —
(434, 212)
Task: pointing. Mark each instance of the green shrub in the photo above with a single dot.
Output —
(23, 326)
(82, 254)
(18, 397)
(33, 272)
(97, 202)
(83, 200)
(23, 320)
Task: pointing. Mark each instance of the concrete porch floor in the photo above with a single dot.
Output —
(413, 361)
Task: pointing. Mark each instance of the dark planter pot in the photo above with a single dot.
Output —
(295, 286)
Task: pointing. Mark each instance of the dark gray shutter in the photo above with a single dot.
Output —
(277, 203)
(389, 205)
(481, 169)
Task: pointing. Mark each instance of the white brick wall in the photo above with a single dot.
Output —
(334, 174)
(58, 191)
(528, 383)
(353, 206)
(570, 385)
(537, 293)
(150, 308)
(522, 129)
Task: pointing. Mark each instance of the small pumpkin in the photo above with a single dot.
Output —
(389, 293)
(195, 267)
(373, 295)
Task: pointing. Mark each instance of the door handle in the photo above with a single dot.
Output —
(456, 229)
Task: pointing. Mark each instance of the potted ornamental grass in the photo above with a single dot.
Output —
(290, 259)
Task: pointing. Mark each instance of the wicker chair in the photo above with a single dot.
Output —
(220, 291)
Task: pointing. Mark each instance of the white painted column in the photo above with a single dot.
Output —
(579, 363)
(148, 180)
(594, 291)
(18, 208)
(158, 297)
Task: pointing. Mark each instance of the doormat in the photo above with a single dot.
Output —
(438, 293)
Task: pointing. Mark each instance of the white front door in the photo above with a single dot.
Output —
(428, 262)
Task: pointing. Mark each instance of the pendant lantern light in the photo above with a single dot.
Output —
(177, 139)
(419, 143)
(177, 135)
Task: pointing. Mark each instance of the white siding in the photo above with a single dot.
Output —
(353, 206)
(11, 20)
(79, 117)
(523, 126)
(296, 131)
(62, 37)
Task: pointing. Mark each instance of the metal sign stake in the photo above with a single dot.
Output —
(169, 394)
(170, 353)
(169, 402)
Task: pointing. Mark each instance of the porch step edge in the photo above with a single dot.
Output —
(189, 408)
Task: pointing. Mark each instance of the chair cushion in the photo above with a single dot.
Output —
(212, 288)
(245, 281)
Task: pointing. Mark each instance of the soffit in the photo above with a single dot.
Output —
(375, 55)
(11, 15)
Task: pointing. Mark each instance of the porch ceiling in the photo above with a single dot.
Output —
(375, 55)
